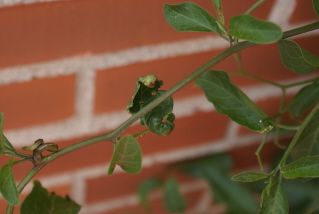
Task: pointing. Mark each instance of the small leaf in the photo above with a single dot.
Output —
(315, 4)
(145, 188)
(308, 142)
(275, 202)
(249, 28)
(304, 167)
(218, 6)
(230, 100)
(8, 187)
(296, 58)
(39, 201)
(304, 99)
(127, 154)
(189, 16)
(174, 202)
(249, 176)
(4, 143)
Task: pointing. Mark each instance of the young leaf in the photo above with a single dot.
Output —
(8, 187)
(308, 142)
(249, 176)
(4, 143)
(189, 16)
(296, 58)
(304, 167)
(145, 188)
(315, 4)
(249, 28)
(304, 99)
(218, 6)
(127, 154)
(174, 202)
(39, 201)
(275, 202)
(230, 100)
(160, 120)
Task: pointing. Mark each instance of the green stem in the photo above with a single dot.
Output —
(260, 79)
(141, 133)
(301, 82)
(298, 134)
(254, 6)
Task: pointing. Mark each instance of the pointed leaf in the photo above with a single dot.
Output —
(249, 28)
(8, 187)
(304, 167)
(230, 100)
(304, 99)
(4, 143)
(308, 142)
(249, 176)
(39, 201)
(275, 202)
(189, 16)
(219, 10)
(296, 58)
(315, 4)
(127, 154)
(145, 188)
(174, 202)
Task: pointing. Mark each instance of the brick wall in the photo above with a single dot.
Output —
(68, 69)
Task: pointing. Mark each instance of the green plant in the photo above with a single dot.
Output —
(154, 109)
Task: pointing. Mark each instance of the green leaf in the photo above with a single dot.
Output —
(214, 170)
(145, 188)
(189, 16)
(308, 142)
(8, 187)
(249, 176)
(160, 120)
(304, 99)
(296, 58)
(174, 202)
(315, 4)
(230, 100)
(127, 154)
(4, 143)
(39, 201)
(304, 167)
(275, 202)
(218, 6)
(249, 28)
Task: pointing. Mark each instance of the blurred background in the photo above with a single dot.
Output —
(68, 68)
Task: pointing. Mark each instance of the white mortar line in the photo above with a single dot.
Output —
(6, 3)
(281, 12)
(72, 65)
(73, 127)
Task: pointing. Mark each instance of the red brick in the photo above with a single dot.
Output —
(37, 102)
(66, 28)
(303, 12)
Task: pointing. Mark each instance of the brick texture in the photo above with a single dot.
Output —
(69, 68)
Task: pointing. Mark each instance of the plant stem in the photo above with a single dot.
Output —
(299, 132)
(254, 6)
(141, 133)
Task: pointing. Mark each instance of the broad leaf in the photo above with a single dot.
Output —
(230, 100)
(174, 202)
(296, 58)
(127, 154)
(315, 4)
(8, 187)
(40, 201)
(249, 28)
(308, 142)
(218, 6)
(249, 176)
(275, 202)
(160, 120)
(189, 16)
(145, 188)
(304, 99)
(304, 167)
(215, 170)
